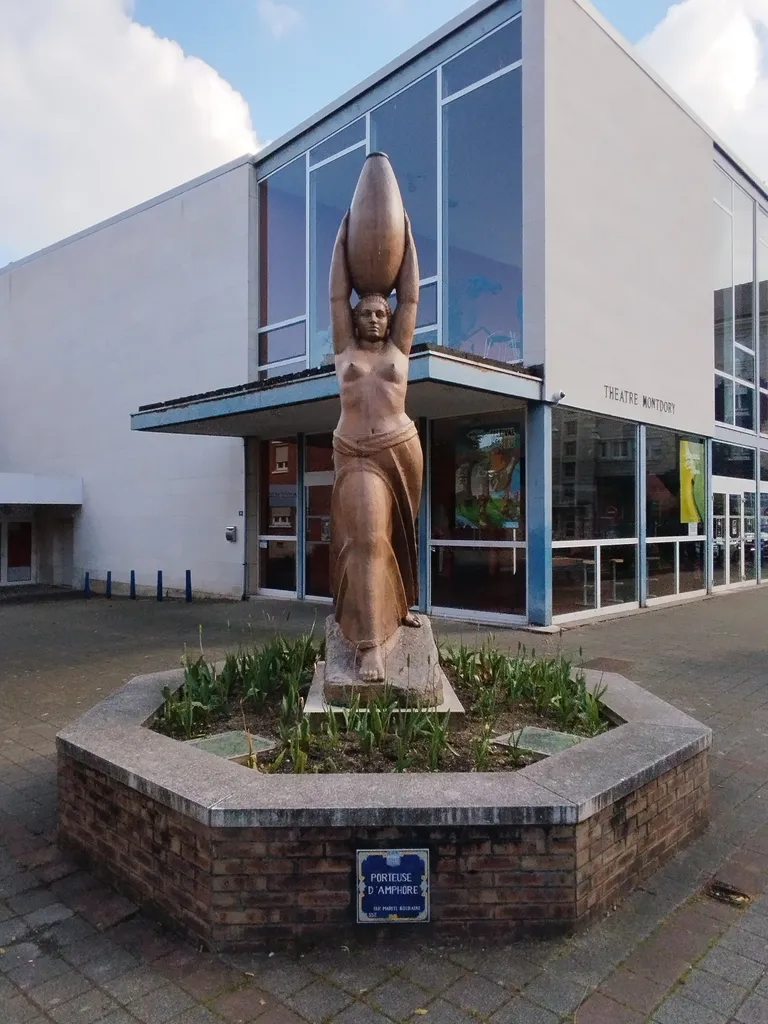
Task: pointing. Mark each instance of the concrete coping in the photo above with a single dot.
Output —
(563, 789)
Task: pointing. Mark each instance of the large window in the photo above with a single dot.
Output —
(482, 216)
(734, 295)
(734, 514)
(405, 128)
(478, 513)
(331, 186)
(318, 489)
(675, 491)
(464, 199)
(594, 521)
(762, 295)
(282, 285)
(277, 515)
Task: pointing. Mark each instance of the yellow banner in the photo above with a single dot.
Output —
(691, 481)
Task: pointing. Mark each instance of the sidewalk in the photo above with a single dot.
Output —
(75, 951)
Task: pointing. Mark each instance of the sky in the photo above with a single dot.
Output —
(106, 103)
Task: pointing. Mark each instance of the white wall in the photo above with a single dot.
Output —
(149, 307)
(29, 489)
(623, 195)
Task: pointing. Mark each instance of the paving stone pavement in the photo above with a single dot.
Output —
(72, 950)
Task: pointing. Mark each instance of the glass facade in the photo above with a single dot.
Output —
(478, 511)
(736, 286)
(630, 508)
(594, 512)
(454, 139)
(735, 549)
(282, 271)
(675, 512)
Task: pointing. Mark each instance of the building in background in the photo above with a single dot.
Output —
(589, 373)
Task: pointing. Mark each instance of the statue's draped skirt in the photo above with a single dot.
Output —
(375, 499)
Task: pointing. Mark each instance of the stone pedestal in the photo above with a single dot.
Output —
(411, 660)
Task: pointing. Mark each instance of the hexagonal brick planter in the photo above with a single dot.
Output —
(239, 859)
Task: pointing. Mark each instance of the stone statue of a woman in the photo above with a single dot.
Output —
(377, 459)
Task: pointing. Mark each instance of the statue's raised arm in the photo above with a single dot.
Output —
(340, 288)
(407, 291)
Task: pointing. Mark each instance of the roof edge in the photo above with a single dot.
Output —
(163, 197)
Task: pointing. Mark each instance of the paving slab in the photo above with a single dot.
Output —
(706, 659)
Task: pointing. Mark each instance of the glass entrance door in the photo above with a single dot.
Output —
(318, 486)
(734, 539)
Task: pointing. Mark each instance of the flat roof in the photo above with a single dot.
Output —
(449, 28)
(441, 382)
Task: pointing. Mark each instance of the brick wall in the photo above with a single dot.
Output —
(628, 840)
(245, 887)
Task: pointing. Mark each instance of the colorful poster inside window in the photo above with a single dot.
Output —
(692, 482)
(488, 478)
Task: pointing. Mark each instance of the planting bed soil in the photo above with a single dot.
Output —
(261, 692)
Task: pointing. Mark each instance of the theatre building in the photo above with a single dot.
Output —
(589, 372)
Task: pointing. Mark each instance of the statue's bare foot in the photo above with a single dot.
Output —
(372, 666)
(412, 620)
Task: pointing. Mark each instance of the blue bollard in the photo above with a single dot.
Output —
(108, 587)
(87, 585)
(188, 586)
(159, 584)
(132, 592)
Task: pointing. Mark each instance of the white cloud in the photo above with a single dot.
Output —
(279, 18)
(98, 113)
(714, 53)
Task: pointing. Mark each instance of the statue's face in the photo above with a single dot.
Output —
(372, 319)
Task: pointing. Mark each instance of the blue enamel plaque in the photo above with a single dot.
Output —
(392, 886)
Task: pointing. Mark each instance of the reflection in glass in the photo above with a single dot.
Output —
(723, 290)
(282, 369)
(427, 313)
(762, 293)
(764, 525)
(723, 399)
(277, 565)
(618, 574)
(593, 476)
(282, 242)
(349, 136)
(492, 53)
(482, 189)
(723, 188)
(692, 566)
(733, 460)
(744, 406)
(284, 343)
(675, 483)
(331, 190)
(735, 538)
(277, 488)
(478, 478)
(744, 268)
(744, 365)
(573, 580)
(719, 539)
(405, 128)
(749, 537)
(479, 579)
(661, 569)
(318, 486)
